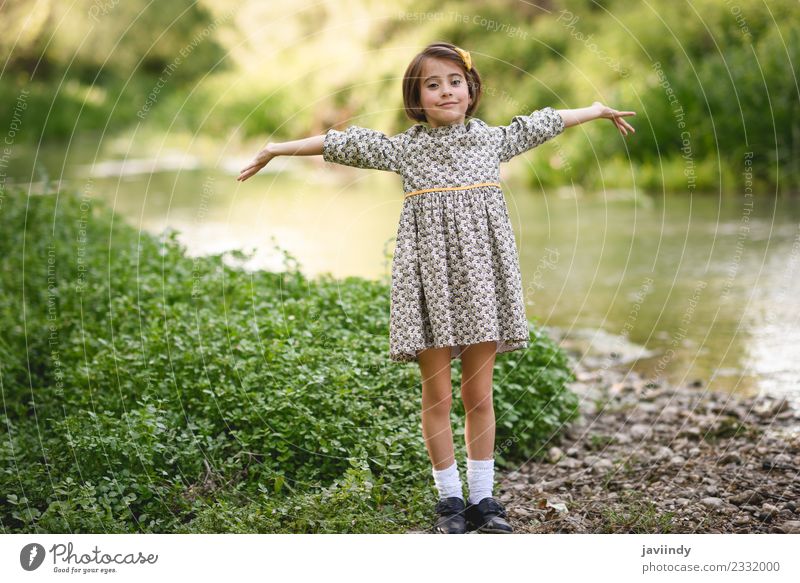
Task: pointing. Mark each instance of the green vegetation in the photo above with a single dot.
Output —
(637, 515)
(711, 81)
(146, 391)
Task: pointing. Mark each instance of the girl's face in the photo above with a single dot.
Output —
(444, 94)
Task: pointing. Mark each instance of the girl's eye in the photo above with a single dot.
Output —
(456, 81)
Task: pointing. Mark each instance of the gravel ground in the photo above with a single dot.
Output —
(648, 458)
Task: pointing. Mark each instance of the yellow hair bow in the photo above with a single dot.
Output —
(465, 56)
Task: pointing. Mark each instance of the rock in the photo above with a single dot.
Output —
(712, 502)
(769, 509)
(640, 431)
(741, 519)
(554, 454)
(570, 463)
(746, 497)
(730, 458)
(662, 453)
(604, 464)
(677, 460)
(771, 407)
(791, 527)
(690, 432)
(590, 460)
(622, 438)
(552, 484)
(782, 458)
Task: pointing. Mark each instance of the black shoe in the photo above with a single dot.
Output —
(488, 516)
(451, 516)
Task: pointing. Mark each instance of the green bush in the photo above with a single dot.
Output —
(146, 391)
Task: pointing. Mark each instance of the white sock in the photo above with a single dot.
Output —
(480, 478)
(448, 482)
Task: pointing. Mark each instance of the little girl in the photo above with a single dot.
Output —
(456, 287)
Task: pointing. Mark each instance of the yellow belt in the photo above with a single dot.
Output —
(415, 192)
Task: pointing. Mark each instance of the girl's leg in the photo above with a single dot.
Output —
(437, 397)
(477, 366)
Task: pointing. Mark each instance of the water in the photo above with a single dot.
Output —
(680, 287)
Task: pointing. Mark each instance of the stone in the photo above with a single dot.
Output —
(554, 454)
(570, 463)
(730, 458)
(791, 527)
(622, 438)
(662, 452)
(769, 509)
(677, 460)
(690, 432)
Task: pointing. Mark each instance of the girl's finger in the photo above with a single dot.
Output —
(624, 124)
(254, 165)
(627, 125)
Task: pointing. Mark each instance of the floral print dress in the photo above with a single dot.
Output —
(455, 272)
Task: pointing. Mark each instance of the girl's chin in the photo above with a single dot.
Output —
(446, 119)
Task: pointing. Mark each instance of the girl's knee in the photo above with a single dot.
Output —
(481, 405)
(437, 404)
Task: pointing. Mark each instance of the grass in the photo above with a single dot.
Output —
(636, 516)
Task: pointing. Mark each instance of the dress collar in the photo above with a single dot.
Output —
(456, 128)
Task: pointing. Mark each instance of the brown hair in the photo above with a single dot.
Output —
(413, 77)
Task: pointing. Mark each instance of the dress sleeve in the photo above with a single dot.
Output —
(528, 131)
(364, 148)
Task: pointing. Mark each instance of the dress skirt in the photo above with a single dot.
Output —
(455, 275)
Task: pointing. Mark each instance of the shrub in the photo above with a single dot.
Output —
(146, 391)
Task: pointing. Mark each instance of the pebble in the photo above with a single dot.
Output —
(730, 458)
(791, 527)
(640, 431)
(554, 454)
(677, 460)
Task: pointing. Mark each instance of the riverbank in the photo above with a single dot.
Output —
(644, 457)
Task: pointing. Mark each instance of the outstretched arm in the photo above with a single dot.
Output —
(306, 147)
(597, 110)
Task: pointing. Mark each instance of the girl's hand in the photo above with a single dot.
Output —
(257, 164)
(615, 116)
